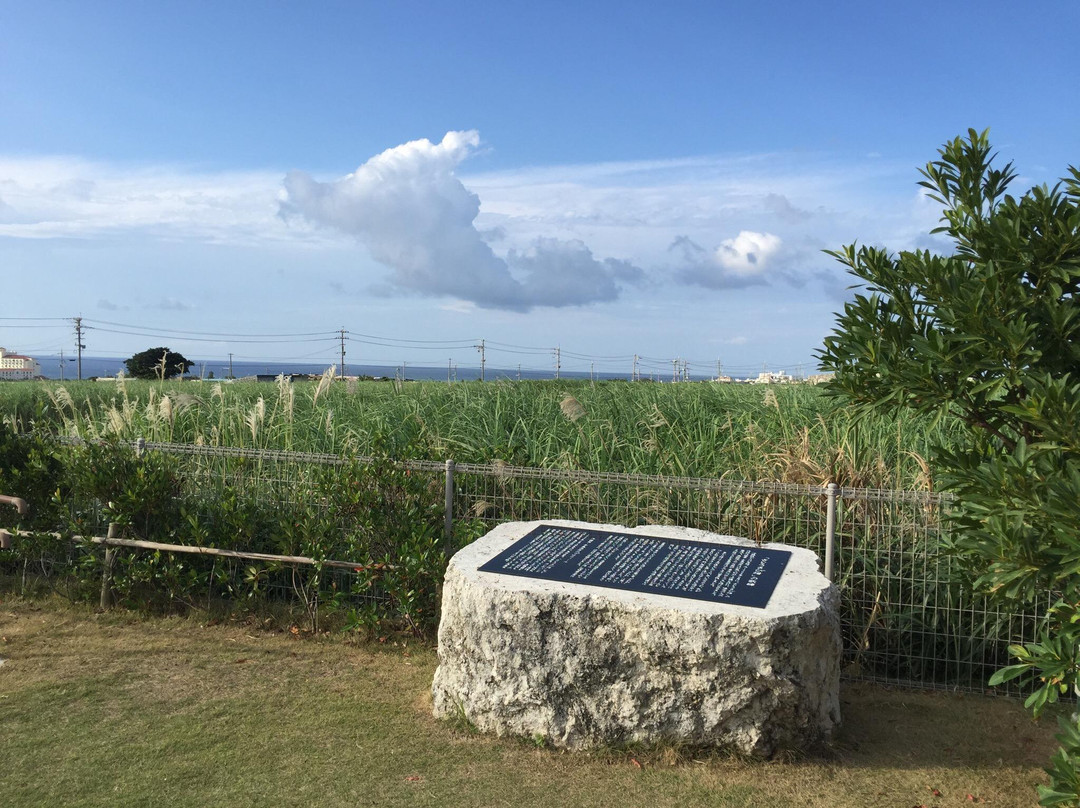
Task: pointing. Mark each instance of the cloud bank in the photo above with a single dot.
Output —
(63, 197)
(407, 206)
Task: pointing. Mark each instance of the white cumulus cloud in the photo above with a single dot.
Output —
(748, 253)
(744, 260)
(407, 206)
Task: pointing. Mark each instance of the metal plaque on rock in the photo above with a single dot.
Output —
(682, 568)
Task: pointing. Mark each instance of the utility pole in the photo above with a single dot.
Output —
(674, 370)
(685, 370)
(558, 361)
(519, 372)
(483, 359)
(79, 343)
(592, 373)
(448, 361)
(719, 370)
(343, 333)
(230, 367)
(404, 366)
(634, 375)
(61, 364)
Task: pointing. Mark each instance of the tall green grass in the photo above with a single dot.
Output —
(791, 433)
(902, 609)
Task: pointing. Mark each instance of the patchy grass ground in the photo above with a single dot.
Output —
(120, 709)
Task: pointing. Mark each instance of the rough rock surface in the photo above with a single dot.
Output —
(584, 666)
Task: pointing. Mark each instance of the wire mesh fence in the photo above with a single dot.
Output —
(908, 615)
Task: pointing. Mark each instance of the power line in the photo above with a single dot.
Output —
(36, 326)
(253, 358)
(618, 358)
(78, 342)
(343, 333)
(412, 341)
(331, 336)
(396, 344)
(336, 339)
(538, 352)
(520, 348)
(212, 333)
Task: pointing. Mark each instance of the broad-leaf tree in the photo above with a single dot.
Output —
(157, 363)
(990, 333)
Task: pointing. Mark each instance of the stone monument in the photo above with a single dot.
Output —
(589, 635)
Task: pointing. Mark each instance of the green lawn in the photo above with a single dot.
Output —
(121, 709)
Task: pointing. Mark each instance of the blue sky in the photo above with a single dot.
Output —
(613, 178)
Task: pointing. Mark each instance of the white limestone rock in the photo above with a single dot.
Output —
(584, 666)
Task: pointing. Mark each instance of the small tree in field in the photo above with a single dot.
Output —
(157, 363)
(991, 334)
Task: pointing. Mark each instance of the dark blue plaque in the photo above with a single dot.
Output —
(682, 568)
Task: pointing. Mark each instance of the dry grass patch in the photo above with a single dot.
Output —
(118, 709)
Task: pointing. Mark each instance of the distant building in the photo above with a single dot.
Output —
(17, 366)
(771, 377)
(291, 377)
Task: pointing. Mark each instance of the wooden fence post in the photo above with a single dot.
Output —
(106, 574)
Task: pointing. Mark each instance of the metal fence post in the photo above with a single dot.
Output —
(830, 529)
(140, 447)
(106, 574)
(448, 525)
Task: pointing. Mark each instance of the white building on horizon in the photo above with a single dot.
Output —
(774, 377)
(17, 366)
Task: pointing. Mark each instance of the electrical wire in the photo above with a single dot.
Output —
(208, 339)
(331, 339)
(276, 337)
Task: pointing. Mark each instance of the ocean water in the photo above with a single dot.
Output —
(97, 366)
